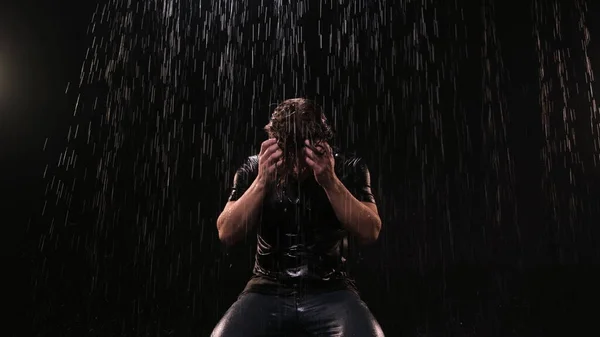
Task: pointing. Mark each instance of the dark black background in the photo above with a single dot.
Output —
(530, 274)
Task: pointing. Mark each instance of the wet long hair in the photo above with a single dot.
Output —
(293, 121)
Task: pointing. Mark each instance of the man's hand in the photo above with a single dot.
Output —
(319, 157)
(269, 160)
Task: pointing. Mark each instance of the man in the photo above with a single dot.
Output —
(304, 198)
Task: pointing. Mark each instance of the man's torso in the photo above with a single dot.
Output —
(300, 241)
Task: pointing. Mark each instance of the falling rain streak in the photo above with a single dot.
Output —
(564, 148)
(172, 95)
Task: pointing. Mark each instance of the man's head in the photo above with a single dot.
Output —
(293, 121)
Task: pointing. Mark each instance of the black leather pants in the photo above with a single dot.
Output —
(337, 313)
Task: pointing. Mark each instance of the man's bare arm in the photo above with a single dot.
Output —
(238, 217)
(360, 218)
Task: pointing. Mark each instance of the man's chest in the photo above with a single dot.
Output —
(298, 204)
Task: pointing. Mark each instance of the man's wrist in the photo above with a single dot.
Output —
(333, 186)
(259, 185)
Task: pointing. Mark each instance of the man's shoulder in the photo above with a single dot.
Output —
(348, 161)
(250, 164)
(346, 158)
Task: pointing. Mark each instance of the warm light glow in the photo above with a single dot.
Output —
(2, 78)
(5, 89)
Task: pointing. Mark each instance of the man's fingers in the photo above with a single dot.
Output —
(273, 166)
(319, 150)
(311, 163)
(309, 153)
(266, 145)
(323, 147)
(276, 155)
(316, 149)
(270, 151)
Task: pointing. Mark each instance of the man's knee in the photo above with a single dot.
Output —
(248, 316)
(341, 313)
(355, 317)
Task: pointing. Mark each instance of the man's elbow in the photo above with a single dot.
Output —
(225, 236)
(372, 235)
(227, 239)
(377, 231)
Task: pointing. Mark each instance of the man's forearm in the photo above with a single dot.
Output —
(237, 219)
(356, 217)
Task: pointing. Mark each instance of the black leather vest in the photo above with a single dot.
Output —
(298, 234)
